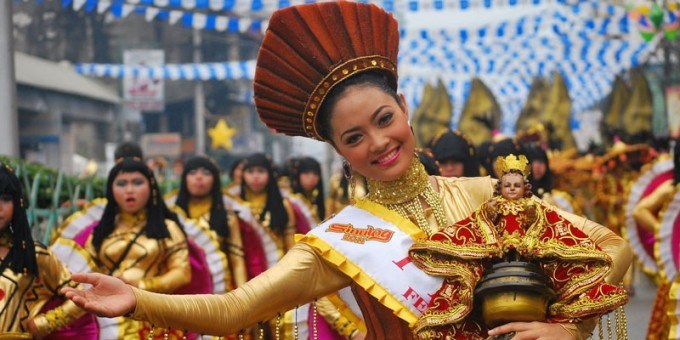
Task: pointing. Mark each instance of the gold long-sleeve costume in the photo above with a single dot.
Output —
(155, 265)
(23, 296)
(232, 247)
(303, 275)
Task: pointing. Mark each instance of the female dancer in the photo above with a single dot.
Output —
(306, 181)
(328, 71)
(137, 241)
(200, 197)
(31, 276)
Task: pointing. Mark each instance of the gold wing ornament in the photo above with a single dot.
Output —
(481, 114)
(434, 113)
(530, 115)
(556, 115)
(637, 115)
(614, 106)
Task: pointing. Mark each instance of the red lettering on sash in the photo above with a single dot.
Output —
(415, 299)
(403, 262)
(361, 235)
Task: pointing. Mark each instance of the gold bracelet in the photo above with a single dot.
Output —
(56, 319)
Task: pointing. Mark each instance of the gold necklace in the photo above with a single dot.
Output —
(403, 196)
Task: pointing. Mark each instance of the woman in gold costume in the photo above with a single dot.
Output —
(139, 240)
(200, 197)
(32, 276)
(647, 213)
(273, 217)
(328, 71)
(306, 182)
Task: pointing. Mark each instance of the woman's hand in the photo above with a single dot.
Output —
(533, 331)
(108, 296)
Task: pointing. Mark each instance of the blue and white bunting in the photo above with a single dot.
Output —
(202, 71)
(587, 41)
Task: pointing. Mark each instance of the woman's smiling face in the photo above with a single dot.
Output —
(370, 130)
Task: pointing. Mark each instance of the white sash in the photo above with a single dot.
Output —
(370, 243)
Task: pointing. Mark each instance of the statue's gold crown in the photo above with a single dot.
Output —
(512, 162)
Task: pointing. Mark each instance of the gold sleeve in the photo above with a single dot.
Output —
(298, 278)
(332, 315)
(177, 263)
(289, 233)
(55, 276)
(234, 249)
(646, 211)
(620, 253)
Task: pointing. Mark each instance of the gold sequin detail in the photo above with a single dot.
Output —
(403, 196)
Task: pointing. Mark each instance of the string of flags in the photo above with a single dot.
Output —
(203, 71)
(588, 42)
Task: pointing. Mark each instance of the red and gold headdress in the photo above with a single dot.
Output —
(309, 49)
(512, 162)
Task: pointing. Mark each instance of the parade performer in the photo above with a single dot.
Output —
(328, 71)
(512, 227)
(541, 179)
(32, 306)
(273, 216)
(455, 154)
(649, 213)
(236, 176)
(306, 181)
(200, 197)
(137, 242)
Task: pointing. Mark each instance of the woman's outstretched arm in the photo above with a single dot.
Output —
(298, 278)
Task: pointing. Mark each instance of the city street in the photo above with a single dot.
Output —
(640, 306)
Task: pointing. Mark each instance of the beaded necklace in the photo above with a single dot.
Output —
(403, 196)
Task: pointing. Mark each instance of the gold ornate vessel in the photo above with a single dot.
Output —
(513, 291)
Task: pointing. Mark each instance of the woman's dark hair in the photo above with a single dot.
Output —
(218, 213)
(235, 165)
(453, 145)
(527, 185)
(368, 79)
(21, 256)
(156, 210)
(544, 184)
(501, 149)
(303, 165)
(278, 216)
(128, 149)
(676, 162)
(429, 162)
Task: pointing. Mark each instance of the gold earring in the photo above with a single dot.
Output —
(347, 171)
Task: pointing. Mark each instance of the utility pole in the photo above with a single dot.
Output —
(9, 129)
(199, 100)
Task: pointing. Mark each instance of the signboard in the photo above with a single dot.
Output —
(144, 93)
(162, 144)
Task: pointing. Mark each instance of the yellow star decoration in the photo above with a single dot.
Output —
(221, 135)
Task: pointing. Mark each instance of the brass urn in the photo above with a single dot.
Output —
(513, 291)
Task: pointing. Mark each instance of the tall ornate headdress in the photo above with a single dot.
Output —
(512, 162)
(309, 49)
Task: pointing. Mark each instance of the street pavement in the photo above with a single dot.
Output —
(639, 308)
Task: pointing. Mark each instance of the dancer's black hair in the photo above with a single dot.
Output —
(21, 257)
(218, 213)
(278, 216)
(309, 164)
(156, 210)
